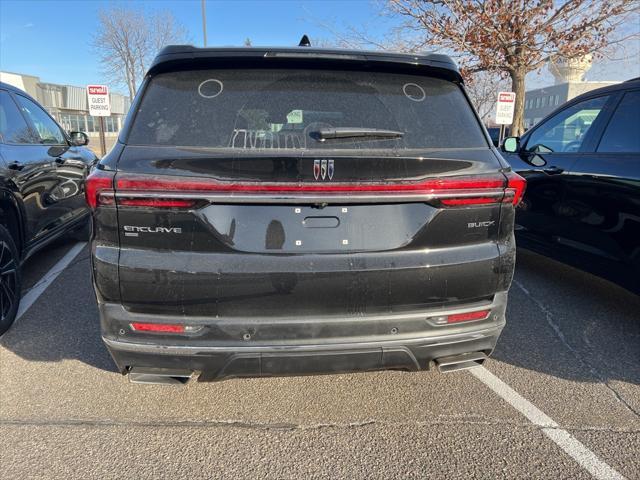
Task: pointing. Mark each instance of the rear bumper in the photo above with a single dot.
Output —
(217, 363)
(393, 342)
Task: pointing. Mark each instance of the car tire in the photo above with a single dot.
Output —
(10, 280)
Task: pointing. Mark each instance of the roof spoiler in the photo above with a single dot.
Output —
(185, 57)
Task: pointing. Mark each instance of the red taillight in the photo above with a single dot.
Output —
(160, 191)
(156, 202)
(98, 188)
(467, 316)
(166, 191)
(157, 327)
(464, 201)
(516, 185)
(159, 184)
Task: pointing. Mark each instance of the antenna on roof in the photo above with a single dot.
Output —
(304, 41)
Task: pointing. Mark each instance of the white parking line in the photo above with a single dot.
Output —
(567, 442)
(32, 295)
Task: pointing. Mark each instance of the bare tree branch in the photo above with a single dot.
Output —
(127, 39)
(483, 88)
(517, 36)
(512, 37)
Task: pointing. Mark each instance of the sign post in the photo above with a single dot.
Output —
(504, 111)
(99, 106)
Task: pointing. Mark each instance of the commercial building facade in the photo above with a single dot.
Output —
(68, 105)
(569, 83)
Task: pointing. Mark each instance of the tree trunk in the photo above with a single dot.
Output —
(517, 86)
(130, 86)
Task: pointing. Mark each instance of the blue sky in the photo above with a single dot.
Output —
(51, 39)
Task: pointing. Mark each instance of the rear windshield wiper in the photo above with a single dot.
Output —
(354, 132)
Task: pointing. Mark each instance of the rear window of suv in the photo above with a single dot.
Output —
(285, 109)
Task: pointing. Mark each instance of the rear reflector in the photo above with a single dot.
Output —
(157, 327)
(164, 327)
(468, 316)
(460, 317)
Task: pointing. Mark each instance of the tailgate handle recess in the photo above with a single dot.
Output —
(321, 222)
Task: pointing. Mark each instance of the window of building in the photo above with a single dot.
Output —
(69, 121)
(557, 100)
(109, 125)
(544, 102)
(76, 123)
(64, 121)
(538, 102)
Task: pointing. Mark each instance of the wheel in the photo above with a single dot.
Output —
(10, 284)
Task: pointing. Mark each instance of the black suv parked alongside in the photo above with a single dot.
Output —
(582, 165)
(298, 211)
(42, 173)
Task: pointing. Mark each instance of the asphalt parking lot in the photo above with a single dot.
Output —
(559, 399)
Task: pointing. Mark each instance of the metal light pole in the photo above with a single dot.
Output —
(204, 22)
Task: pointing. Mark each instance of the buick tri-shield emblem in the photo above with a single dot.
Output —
(323, 169)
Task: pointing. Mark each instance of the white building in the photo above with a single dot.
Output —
(540, 102)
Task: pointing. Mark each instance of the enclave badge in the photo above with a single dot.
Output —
(316, 169)
(330, 171)
(323, 169)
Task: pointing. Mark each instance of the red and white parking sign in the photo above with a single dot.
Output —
(504, 109)
(99, 102)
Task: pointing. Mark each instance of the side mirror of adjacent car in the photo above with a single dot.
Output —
(511, 144)
(79, 139)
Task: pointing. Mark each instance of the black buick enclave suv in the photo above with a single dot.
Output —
(295, 211)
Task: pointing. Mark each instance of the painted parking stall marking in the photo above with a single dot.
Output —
(567, 442)
(32, 295)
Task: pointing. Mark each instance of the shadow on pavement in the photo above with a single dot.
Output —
(570, 324)
(63, 323)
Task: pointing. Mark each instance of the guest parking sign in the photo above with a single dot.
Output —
(99, 103)
(505, 108)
